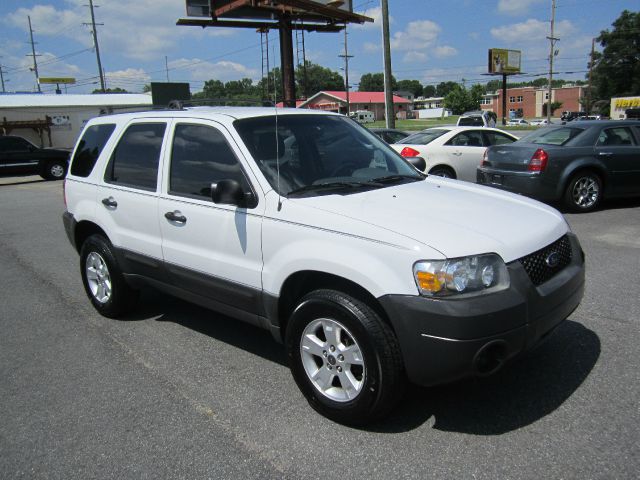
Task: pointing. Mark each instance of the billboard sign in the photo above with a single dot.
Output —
(204, 8)
(57, 80)
(504, 61)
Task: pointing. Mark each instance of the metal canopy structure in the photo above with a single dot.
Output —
(283, 15)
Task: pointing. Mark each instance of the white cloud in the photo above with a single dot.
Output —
(419, 40)
(516, 7)
(201, 70)
(138, 30)
(376, 14)
(414, 56)
(444, 51)
(370, 47)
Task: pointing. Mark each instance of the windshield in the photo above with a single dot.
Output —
(312, 151)
(424, 137)
(552, 136)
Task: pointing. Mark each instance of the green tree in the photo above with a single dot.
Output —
(460, 100)
(429, 91)
(413, 86)
(616, 71)
(314, 78)
(111, 90)
(554, 106)
(374, 82)
(444, 88)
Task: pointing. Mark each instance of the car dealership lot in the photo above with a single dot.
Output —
(178, 391)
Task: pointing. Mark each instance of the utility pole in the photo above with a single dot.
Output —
(95, 44)
(346, 57)
(33, 54)
(589, 93)
(2, 79)
(166, 67)
(390, 119)
(552, 53)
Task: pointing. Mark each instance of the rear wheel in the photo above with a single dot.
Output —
(54, 170)
(442, 171)
(584, 192)
(102, 278)
(344, 358)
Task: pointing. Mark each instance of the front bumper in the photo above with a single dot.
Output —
(443, 340)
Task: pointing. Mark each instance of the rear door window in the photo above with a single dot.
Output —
(134, 162)
(470, 138)
(497, 138)
(89, 148)
(617, 136)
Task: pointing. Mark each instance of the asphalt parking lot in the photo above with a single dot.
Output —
(176, 391)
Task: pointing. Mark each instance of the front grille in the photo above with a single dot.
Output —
(543, 264)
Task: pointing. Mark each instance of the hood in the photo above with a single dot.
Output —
(453, 217)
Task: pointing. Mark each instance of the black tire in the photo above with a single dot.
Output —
(442, 171)
(54, 170)
(584, 192)
(381, 377)
(119, 298)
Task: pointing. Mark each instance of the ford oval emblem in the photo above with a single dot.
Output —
(552, 260)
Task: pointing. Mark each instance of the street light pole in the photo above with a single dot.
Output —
(552, 54)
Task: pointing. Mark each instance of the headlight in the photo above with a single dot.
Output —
(478, 273)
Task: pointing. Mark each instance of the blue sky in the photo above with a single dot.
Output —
(432, 41)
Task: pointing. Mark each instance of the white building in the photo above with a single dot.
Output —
(56, 120)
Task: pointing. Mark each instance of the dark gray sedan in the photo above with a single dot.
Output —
(579, 163)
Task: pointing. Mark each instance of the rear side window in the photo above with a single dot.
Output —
(201, 156)
(471, 138)
(89, 148)
(134, 162)
(497, 138)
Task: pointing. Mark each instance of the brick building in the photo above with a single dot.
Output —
(527, 102)
(371, 101)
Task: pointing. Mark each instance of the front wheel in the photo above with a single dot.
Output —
(344, 358)
(584, 192)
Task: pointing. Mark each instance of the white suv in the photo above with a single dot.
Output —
(306, 224)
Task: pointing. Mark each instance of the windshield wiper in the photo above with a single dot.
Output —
(395, 178)
(330, 186)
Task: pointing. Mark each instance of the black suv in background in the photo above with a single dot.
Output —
(20, 155)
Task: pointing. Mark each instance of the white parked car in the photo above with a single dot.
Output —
(308, 225)
(540, 122)
(452, 152)
(517, 122)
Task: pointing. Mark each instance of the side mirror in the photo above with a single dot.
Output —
(229, 192)
(417, 162)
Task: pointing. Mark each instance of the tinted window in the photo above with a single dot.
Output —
(15, 144)
(423, 138)
(497, 138)
(134, 161)
(472, 138)
(89, 148)
(471, 122)
(201, 156)
(615, 136)
(396, 136)
(554, 136)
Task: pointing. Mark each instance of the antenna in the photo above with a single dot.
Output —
(275, 107)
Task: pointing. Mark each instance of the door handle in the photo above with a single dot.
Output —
(605, 154)
(110, 202)
(175, 216)
(457, 154)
